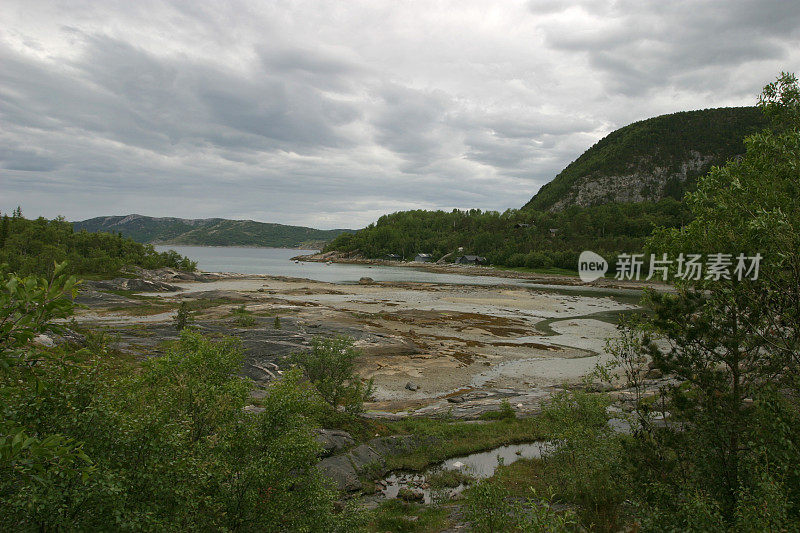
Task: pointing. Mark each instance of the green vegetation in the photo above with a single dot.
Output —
(440, 440)
(665, 143)
(490, 508)
(719, 449)
(516, 238)
(89, 444)
(184, 317)
(735, 344)
(209, 232)
(406, 517)
(33, 246)
(522, 238)
(330, 367)
(506, 412)
(449, 479)
(242, 317)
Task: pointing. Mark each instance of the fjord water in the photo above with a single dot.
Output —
(278, 262)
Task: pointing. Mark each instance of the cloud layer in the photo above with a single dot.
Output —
(330, 114)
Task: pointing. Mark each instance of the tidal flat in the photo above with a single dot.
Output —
(430, 348)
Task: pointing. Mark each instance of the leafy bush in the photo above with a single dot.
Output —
(89, 444)
(330, 367)
(586, 464)
(490, 508)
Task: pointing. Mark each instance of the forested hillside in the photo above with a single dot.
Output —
(609, 200)
(516, 238)
(33, 246)
(660, 157)
(209, 231)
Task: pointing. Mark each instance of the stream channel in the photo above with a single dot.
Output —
(480, 465)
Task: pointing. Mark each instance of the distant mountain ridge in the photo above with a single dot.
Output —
(652, 159)
(209, 231)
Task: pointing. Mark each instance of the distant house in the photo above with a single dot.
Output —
(554, 232)
(394, 257)
(471, 260)
(521, 225)
(423, 258)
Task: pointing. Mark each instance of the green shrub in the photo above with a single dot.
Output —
(184, 317)
(242, 317)
(89, 444)
(330, 366)
(506, 412)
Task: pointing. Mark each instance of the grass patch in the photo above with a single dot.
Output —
(440, 440)
(242, 317)
(522, 475)
(146, 309)
(404, 517)
(134, 295)
(544, 270)
(244, 321)
(506, 412)
(449, 479)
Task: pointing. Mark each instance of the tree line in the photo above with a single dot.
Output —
(33, 246)
(517, 238)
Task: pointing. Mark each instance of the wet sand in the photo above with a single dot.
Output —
(514, 342)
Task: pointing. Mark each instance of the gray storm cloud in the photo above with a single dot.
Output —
(331, 114)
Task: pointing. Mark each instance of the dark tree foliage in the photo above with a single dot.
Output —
(516, 238)
(734, 345)
(33, 246)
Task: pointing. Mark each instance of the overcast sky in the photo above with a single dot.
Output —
(329, 114)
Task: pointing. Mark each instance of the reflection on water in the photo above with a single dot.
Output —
(479, 465)
(278, 262)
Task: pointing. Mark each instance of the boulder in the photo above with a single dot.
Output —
(139, 285)
(366, 281)
(412, 386)
(66, 336)
(339, 469)
(333, 440)
(44, 341)
(365, 458)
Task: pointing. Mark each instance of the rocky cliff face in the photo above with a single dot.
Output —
(652, 159)
(647, 184)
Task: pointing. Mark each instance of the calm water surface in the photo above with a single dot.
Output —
(278, 262)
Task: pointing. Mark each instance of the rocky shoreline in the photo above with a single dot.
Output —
(464, 349)
(477, 270)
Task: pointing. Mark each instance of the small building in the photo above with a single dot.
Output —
(393, 257)
(519, 225)
(423, 258)
(554, 232)
(471, 260)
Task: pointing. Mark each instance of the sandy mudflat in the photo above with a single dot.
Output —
(446, 339)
